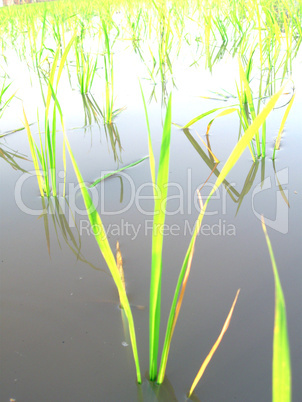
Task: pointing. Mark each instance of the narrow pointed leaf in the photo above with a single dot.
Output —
(281, 387)
(117, 171)
(151, 154)
(157, 242)
(278, 140)
(214, 348)
(34, 155)
(101, 238)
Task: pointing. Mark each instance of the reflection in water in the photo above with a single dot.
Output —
(122, 189)
(10, 157)
(112, 136)
(212, 164)
(249, 180)
(150, 391)
(94, 115)
(56, 208)
(92, 111)
(280, 187)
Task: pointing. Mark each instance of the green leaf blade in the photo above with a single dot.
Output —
(281, 379)
(157, 242)
(101, 238)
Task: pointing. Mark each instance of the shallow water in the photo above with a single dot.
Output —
(63, 335)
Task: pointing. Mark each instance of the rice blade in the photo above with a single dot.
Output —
(278, 140)
(223, 113)
(101, 238)
(151, 154)
(34, 155)
(214, 348)
(117, 171)
(157, 242)
(281, 379)
(245, 139)
(233, 158)
(201, 116)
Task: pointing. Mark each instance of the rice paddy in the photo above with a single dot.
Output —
(143, 145)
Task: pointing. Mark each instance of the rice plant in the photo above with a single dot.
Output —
(276, 29)
(247, 113)
(101, 238)
(5, 102)
(11, 157)
(108, 112)
(234, 156)
(160, 182)
(86, 68)
(44, 155)
(278, 139)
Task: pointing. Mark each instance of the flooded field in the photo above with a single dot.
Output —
(183, 122)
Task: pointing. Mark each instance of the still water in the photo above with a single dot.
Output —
(63, 336)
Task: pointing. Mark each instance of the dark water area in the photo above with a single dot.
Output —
(63, 335)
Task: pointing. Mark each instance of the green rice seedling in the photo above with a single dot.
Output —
(278, 139)
(108, 112)
(231, 161)
(160, 194)
(43, 66)
(86, 69)
(35, 154)
(281, 378)
(157, 239)
(161, 63)
(44, 155)
(103, 243)
(134, 22)
(247, 109)
(5, 102)
(245, 18)
(117, 171)
(101, 238)
(57, 27)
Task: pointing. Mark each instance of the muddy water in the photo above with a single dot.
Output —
(63, 336)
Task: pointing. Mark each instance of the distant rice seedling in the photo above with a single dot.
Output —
(86, 69)
(108, 112)
(44, 155)
(5, 102)
(247, 115)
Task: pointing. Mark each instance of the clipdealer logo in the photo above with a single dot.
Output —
(180, 201)
(280, 222)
